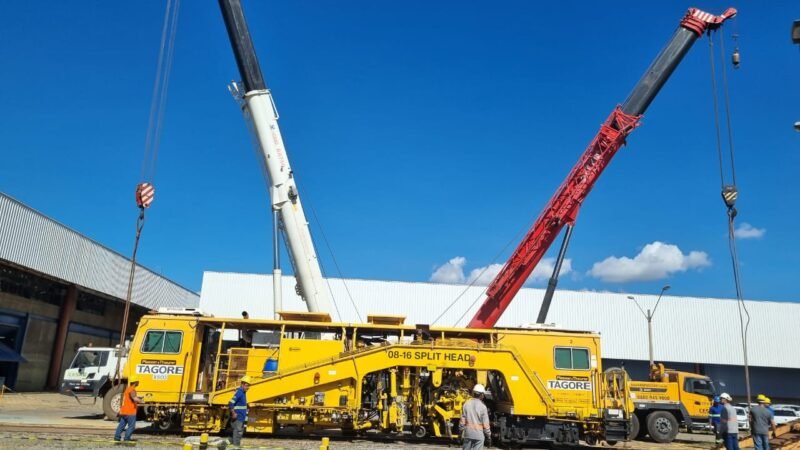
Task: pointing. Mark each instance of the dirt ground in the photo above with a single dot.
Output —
(48, 420)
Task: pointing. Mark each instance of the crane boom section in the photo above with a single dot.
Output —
(563, 207)
(259, 109)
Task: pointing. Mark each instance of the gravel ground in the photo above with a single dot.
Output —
(47, 420)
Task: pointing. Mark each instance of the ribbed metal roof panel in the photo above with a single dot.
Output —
(30, 239)
(686, 329)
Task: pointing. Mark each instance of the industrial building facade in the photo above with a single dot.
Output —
(59, 291)
(694, 334)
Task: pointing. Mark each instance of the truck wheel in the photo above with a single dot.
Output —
(635, 427)
(112, 401)
(662, 426)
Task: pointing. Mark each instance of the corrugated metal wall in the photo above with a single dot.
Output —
(29, 239)
(686, 329)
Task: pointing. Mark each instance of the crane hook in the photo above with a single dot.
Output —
(736, 58)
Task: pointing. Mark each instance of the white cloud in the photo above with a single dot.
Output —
(657, 260)
(452, 272)
(747, 231)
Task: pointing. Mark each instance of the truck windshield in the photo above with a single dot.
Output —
(701, 386)
(90, 358)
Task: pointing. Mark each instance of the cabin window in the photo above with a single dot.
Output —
(572, 358)
(156, 341)
(699, 386)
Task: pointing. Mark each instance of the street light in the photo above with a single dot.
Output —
(649, 316)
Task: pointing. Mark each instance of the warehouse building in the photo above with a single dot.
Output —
(60, 290)
(700, 335)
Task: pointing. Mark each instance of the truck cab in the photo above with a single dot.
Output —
(91, 375)
(670, 400)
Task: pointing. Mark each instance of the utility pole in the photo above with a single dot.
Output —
(649, 316)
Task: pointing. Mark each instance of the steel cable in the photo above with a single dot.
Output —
(744, 314)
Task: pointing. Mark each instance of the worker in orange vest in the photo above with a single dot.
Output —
(127, 412)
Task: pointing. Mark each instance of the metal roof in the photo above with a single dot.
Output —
(686, 329)
(31, 239)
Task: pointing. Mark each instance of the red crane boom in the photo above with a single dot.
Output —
(563, 208)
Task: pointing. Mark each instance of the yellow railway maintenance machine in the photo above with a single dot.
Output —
(377, 377)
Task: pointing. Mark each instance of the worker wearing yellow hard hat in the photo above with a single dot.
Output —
(762, 419)
(127, 410)
(238, 408)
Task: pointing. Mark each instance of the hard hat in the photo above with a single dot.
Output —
(133, 379)
(716, 399)
(725, 396)
(246, 379)
(479, 389)
(767, 400)
(761, 398)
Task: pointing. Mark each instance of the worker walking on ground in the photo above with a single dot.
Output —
(127, 411)
(763, 420)
(474, 422)
(713, 418)
(729, 423)
(238, 407)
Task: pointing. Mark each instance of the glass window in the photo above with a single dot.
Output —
(87, 358)
(172, 342)
(580, 358)
(162, 342)
(699, 386)
(572, 358)
(91, 303)
(563, 358)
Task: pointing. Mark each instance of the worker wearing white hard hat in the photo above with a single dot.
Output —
(474, 422)
(729, 422)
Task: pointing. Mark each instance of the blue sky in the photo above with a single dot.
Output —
(420, 133)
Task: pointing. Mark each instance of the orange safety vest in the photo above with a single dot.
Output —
(128, 407)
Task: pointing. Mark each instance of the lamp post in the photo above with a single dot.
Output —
(649, 316)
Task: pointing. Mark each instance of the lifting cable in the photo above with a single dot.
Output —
(515, 238)
(336, 264)
(145, 191)
(730, 194)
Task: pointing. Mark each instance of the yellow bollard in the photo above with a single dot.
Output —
(187, 446)
(324, 444)
(203, 441)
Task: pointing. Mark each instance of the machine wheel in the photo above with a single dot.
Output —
(112, 401)
(662, 426)
(164, 424)
(635, 427)
(420, 431)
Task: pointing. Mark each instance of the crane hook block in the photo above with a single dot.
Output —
(145, 192)
(729, 195)
(736, 59)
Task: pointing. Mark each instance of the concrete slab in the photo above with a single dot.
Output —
(51, 409)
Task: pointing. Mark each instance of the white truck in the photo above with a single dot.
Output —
(91, 375)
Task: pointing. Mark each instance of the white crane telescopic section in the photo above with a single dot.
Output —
(260, 112)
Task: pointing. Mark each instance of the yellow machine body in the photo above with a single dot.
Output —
(383, 376)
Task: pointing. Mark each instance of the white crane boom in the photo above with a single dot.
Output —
(259, 110)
